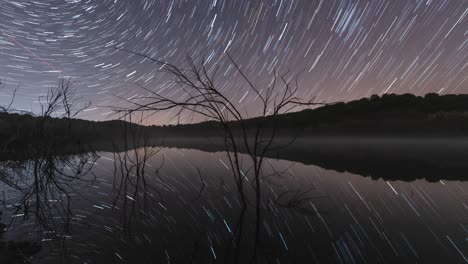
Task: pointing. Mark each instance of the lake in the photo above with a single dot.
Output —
(181, 205)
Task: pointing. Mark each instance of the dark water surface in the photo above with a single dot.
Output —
(185, 209)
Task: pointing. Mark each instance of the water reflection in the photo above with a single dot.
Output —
(39, 192)
(389, 159)
(156, 205)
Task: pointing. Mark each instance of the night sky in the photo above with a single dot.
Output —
(343, 49)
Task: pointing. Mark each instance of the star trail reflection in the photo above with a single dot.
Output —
(353, 219)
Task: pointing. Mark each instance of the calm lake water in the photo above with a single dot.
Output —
(185, 209)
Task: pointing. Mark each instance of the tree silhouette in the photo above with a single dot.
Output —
(200, 94)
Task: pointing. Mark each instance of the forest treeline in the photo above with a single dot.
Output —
(387, 115)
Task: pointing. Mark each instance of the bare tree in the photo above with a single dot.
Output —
(61, 101)
(46, 180)
(199, 94)
(8, 107)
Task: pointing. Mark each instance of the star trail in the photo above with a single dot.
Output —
(341, 49)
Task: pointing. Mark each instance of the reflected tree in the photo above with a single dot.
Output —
(199, 94)
(46, 180)
(131, 170)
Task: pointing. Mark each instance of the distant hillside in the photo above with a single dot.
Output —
(19, 131)
(389, 115)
